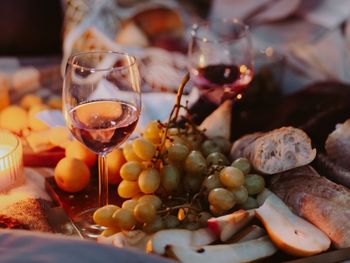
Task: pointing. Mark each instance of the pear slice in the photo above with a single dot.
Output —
(248, 233)
(228, 253)
(218, 123)
(228, 225)
(132, 239)
(290, 232)
(183, 237)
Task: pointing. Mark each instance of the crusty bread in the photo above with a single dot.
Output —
(275, 151)
(318, 200)
(30, 213)
(11, 223)
(338, 145)
(332, 170)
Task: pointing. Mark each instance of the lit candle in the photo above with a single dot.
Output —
(11, 161)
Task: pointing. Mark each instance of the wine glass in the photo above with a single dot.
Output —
(221, 58)
(101, 105)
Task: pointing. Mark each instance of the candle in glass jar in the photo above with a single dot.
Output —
(11, 161)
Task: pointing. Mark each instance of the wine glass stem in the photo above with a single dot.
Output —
(102, 180)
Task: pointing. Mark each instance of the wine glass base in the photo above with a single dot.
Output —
(86, 225)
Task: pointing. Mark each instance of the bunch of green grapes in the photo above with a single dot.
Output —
(233, 186)
(177, 177)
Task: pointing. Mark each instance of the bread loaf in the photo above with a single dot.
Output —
(30, 213)
(338, 145)
(275, 151)
(318, 200)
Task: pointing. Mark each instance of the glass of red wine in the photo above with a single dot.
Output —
(101, 104)
(221, 58)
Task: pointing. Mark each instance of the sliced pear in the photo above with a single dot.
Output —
(228, 225)
(182, 237)
(246, 234)
(228, 253)
(290, 232)
(132, 239)
(219, 122)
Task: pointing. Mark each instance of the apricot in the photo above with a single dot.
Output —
(14, 118)
(76, 149)
(72, 175)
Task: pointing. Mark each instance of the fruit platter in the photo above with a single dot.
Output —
(183, 190)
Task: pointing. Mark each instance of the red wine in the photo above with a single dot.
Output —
(103, 124)
(223, 75)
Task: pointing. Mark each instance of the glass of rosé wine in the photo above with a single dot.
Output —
(221, 58)
(101, 104)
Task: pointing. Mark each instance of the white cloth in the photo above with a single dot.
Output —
(28, 247)
(34, 187)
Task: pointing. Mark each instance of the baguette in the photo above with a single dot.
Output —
(275, 151)
(318, 200)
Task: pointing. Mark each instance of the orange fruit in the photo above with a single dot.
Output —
(30, 100)
(72, 175)
(115, 160)
(55, 103)
(76, 149)
(14, 118)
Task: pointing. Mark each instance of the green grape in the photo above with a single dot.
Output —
(129, 204)
(208, 147)
(170, 178)
(143, 148)
(110, 231)
(242, 164)
(254, 183)
(149, 180)
(223, 143)
(192, 183)
(211, 182)
(128, 189)
(154, 226)
(145, 213)
(203, 218)
(151, 199)
(153, 132)
(137, 196)
(231, 177)
(178, 152)
(195, 164)
(124, 218)
(129, 153)
(195, 141)
(215, 211)
(131, 170)
(241, 194)
(103, 215)
(251, 203)
(221, 198)
(216, 158)
(171, 221)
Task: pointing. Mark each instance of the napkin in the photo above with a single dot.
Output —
(34, 187)
(28, 247)
(254, 11)
(327, 58)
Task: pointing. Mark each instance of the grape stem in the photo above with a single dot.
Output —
(175, 110)
(179, 96)
(168, 209)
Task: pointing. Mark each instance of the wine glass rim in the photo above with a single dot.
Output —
(78, 54)
(236, 21)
